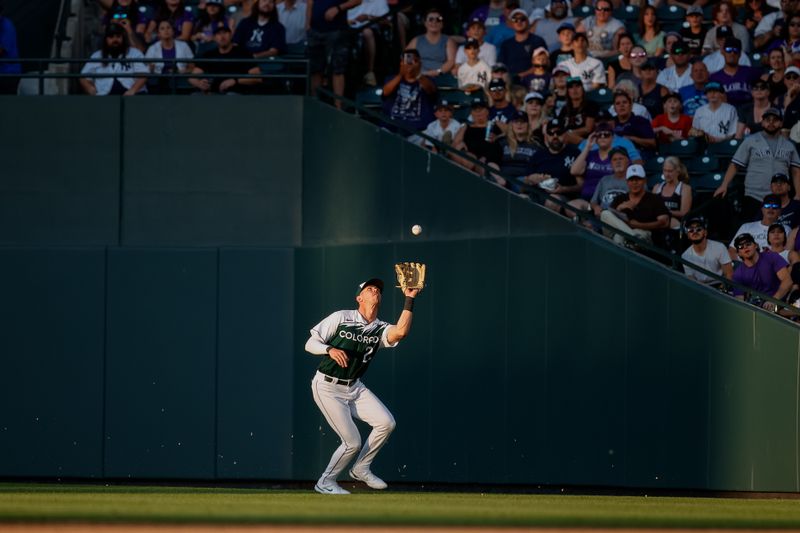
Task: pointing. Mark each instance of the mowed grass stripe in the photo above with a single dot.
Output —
(82, 503)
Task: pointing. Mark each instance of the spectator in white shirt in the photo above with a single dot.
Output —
(716, 120)
(474, 73)
(581, 65)
(129, 78)
(705, 253)
(444, 128)
(680, 73)
(362, 17)
(488, 51)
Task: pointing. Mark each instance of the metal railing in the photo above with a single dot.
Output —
(659, 255)
(271, 68)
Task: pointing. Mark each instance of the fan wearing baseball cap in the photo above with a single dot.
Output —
(762, 155)
(554, 164)
(762, 271)
(791, 83)
(716, 120)
(473, 74)
(637, 213)
(706, 253)
(556, 15)
(679, 74)
(736, 80)
(487, 52)
(516, 51)
(759, 229)
(566, 33)
(693, 31)
(584, 67)
(781, 186)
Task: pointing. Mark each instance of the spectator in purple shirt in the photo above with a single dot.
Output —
(736, 80)
(174, 11)
(261, 34)
(636, 129)
(765, 272)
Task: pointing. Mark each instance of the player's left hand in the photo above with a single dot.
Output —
(339, 356)
(411, 293)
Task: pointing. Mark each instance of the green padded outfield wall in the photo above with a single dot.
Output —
(161, 336)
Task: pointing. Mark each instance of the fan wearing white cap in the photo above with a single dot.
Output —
(637, 213)
(347, 342)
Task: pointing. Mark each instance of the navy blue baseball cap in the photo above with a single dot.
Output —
(519, 116)
(372, 282)
(713, 86)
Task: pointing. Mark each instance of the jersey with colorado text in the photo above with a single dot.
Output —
(349, 331)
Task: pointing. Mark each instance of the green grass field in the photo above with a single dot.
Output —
(133, 504)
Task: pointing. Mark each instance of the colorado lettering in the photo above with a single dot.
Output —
(349, 335)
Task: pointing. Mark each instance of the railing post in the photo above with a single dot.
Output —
(41, 78)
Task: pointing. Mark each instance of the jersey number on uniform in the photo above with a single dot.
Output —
(368, 354)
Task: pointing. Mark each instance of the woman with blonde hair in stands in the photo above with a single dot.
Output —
(676, 193)
(537, 111)
(517, 152)
(675, 190)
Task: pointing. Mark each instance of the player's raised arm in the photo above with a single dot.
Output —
(403, 326)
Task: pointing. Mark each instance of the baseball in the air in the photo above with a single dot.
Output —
(416, 229)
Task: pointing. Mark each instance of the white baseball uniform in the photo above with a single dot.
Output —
(340, 394)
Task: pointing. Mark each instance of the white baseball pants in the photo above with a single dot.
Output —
(340, 404)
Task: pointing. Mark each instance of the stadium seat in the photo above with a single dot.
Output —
(654, 179)
(371, 98)
(446, 81)
(204, 48)
(601, 96)
(271, 66)
(457, 98)
(627, 13)
(653, 165)
(702, 165)
(707, 182)
(461, 114)
(683, 147)
(296, 50)
(668, 13)
(725, 149)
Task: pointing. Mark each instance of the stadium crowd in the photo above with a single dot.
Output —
(634, 114)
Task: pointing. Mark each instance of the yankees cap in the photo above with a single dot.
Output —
(373, 282)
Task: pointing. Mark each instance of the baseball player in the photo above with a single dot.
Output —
(348, 340)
